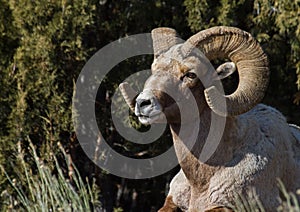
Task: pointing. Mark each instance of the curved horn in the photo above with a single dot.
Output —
(252, 65)
(163, 39)
(128, 94)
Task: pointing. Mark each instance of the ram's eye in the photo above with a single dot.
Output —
(191, 75)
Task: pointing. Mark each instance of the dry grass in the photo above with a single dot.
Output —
(251, 203)
(43, 191)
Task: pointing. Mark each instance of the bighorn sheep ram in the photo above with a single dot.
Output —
(257, 146)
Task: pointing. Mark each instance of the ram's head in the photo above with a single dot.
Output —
(183, 69)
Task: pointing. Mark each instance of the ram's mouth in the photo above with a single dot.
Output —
(154, 117)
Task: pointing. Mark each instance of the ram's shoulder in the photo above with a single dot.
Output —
(263, 129)
(264, 115)
(264, 110)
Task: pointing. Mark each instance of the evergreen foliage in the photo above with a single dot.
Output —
(38, 79)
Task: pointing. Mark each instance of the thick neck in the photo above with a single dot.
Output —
(189, 146)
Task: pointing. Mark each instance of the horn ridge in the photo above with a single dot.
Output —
(163, 39)
(252, 65)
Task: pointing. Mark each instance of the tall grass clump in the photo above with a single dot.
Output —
(43, 186)
(290, 202)
(252, 203)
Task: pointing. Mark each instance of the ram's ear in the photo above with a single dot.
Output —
(226, 69)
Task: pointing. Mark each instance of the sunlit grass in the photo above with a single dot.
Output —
(251, 202)
(290, 203)
(41, 190)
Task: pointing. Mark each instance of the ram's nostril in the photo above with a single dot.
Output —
(145, 103)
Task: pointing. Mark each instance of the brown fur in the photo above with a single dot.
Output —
(169, 205)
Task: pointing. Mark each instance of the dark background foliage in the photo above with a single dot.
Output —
(45, 44)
